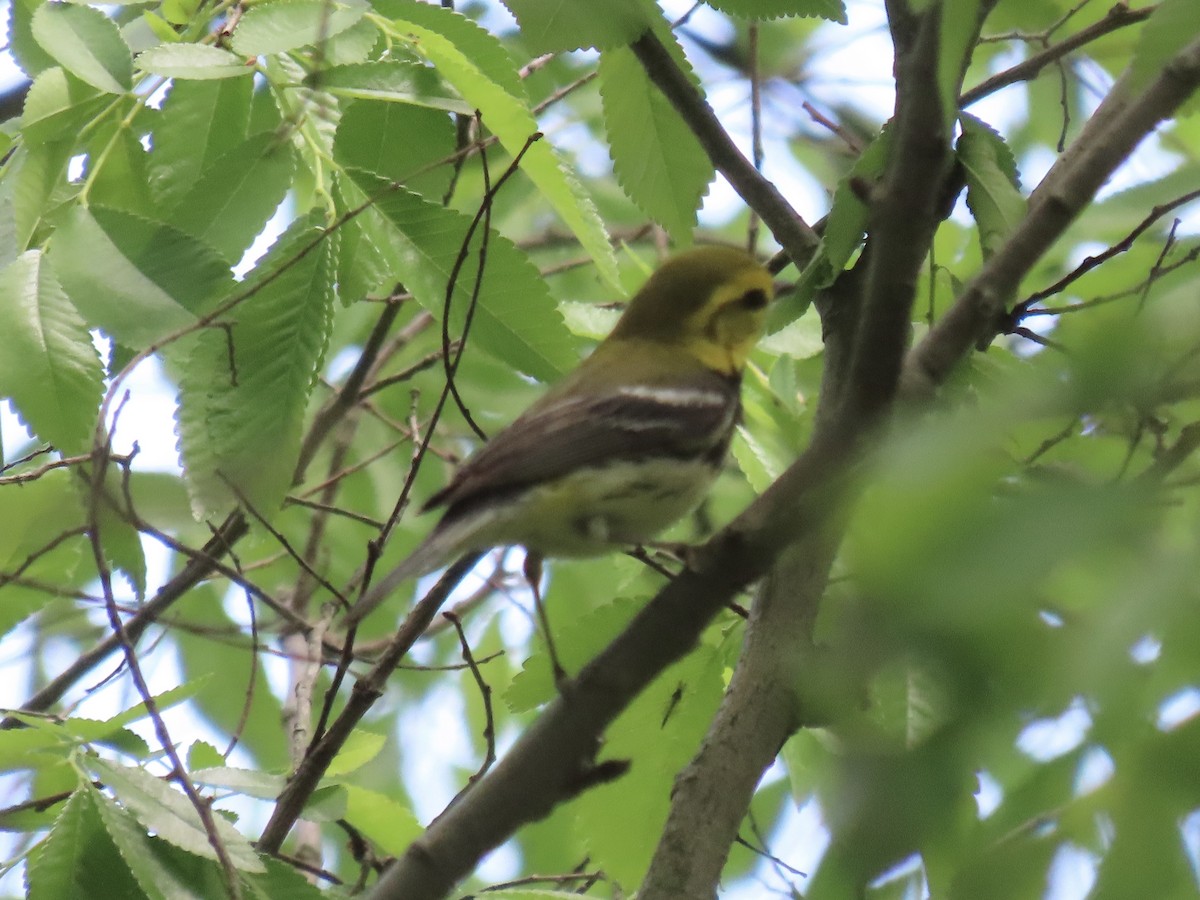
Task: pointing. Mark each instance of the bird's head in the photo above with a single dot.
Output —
(710, 301)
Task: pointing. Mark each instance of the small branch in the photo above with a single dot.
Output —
(287, 546)
(179, 774)
(366, 691)
(1119, 16)
(905, 210)
(34, 474)
(1091, 262)
(349, 395)
(199, 567)
(426, 362)
(788, 227)
(1171, 458)
(485, 692)
(1107, 140)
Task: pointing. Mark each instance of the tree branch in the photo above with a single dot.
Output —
(1119, 16)
(366, 691)
(762, 708)
(197, 569)
(788, 227)
(1110, 136)
(555, 758)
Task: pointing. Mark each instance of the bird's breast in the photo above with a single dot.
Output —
(587, 512)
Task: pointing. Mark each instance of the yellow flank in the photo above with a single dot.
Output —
(591, 512)
(626, 444)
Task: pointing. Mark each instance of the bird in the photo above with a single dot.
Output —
(627, 443)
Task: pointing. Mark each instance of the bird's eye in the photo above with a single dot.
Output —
(755, 298)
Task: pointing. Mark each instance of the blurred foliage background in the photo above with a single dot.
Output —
(1005, 700)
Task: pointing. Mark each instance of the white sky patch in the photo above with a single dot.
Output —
(1095, 769)
(1050, 738)
(1147, 650)
(1178, 708)
(989, 795)
(800, 838)
(1072, 873)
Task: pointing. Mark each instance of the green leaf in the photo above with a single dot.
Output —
(49, 367)
(142, 855)
(180, 12)
(484, 50)
(658, 733)
(8, 223)
(515, 318)
(363, 262)
(26, 51)
(588, 320)
(381, 819)
(353, 45)
(279, 25)
(577, 642)
(1173, 25)
(360, 748)
(469, 58)
(28, 749)
(57, 105)
(40, 187)
(833, 10)
(284, 880)
(658, 161)
(165, 811)
(74, 731)
(203, 755)
(232, 201)
(199, 123)
(137, 279)
(993, 186)
(87, 43)
(194, 61)
(78, 859)
(120, 179)
(243, 394)
(314, 140)
(263, 785)
(160, 27)
(554, 26)
(959, 28)
(395, 82)
(162, 701)
(844, 230)
(760, 466)
(400, 143)
(36, 513)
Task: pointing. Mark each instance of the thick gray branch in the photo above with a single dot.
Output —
(762, 709)
(555, 758)
(1110, 136)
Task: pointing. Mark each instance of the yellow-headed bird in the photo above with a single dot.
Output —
(626, 444)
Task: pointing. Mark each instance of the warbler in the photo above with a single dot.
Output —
(627, 443)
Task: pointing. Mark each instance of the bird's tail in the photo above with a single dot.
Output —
(446, 541)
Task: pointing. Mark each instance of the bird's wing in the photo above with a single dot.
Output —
(684, 419)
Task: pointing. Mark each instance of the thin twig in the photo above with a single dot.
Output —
(485, 693)
(179, 771)
(366, 691)
(1119, 16)
(787, 226)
